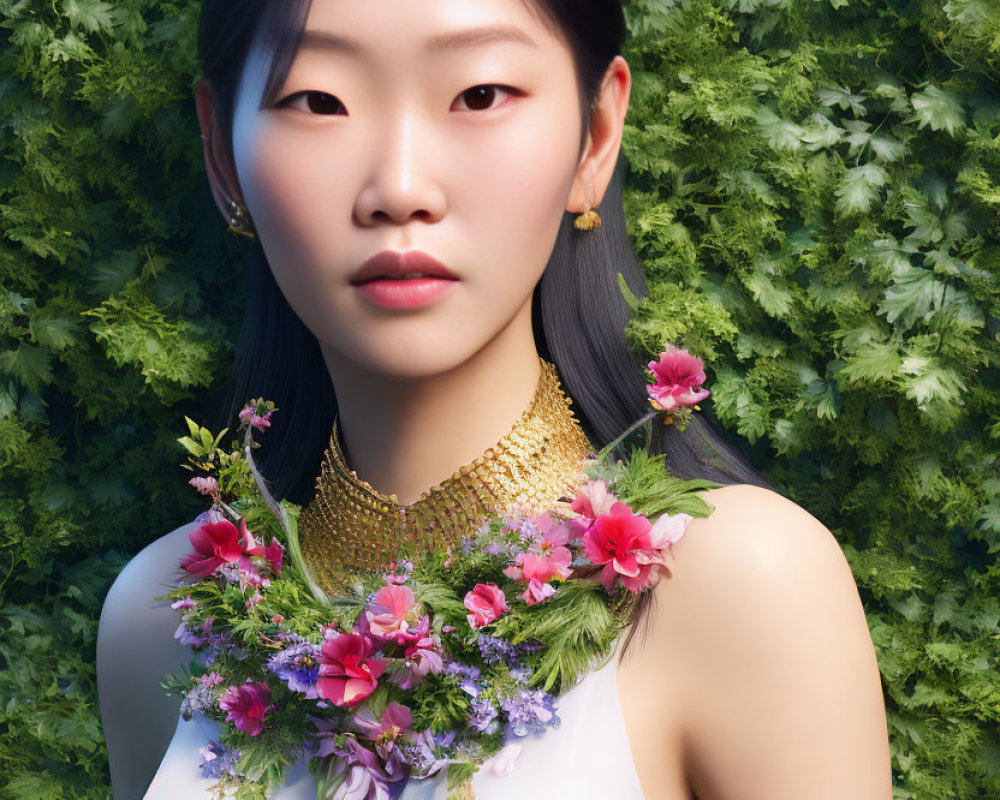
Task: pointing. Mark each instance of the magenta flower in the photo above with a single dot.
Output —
(249, 416)
(215, 544)
(247, 706)
(270, 555)
(486, 602)
(678, 377)
(347, 673)
(620, 540)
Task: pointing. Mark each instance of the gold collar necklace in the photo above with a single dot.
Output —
(350, 527)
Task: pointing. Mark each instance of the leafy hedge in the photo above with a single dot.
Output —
(815, 192)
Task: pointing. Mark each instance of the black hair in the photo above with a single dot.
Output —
(578, 311)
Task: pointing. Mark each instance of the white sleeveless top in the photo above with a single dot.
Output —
(587, 757)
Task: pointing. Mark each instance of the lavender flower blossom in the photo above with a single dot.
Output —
(494, 649)
(419, 754)
(298, 667)
(484, 716)
(202, 696)
(530, 711)
(458, 668)
(217, 761)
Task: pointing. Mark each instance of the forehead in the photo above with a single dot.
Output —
(424, 28)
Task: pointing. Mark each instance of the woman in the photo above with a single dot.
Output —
(452, 142)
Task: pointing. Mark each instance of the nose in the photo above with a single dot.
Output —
(402, 183)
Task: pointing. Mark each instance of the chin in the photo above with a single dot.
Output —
(411, 360)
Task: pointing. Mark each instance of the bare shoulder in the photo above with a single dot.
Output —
(135, 648)
(774, 669)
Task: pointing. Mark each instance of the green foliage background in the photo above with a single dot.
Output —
(815, 194)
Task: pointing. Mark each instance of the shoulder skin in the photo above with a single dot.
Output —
(772, 671)
(135, 648)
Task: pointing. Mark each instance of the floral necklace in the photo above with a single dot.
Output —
(436, 663)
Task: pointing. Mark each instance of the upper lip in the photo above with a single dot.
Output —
(390, 263)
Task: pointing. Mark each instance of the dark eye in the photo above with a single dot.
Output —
(315, 102)
(482, 97)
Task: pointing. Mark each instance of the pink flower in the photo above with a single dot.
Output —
(249, 416)
(620, 540)
(246, 706)
(271, 555)
(593, 499)
(347, 674)
(422, 657)
(393, 612)
(486, 602)
(205, 485)
(537, 591)
(215, 544)
(668, 529)
(547, 560)
(678, 377)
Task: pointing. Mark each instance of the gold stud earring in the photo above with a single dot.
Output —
(239, 220)
(587, 221)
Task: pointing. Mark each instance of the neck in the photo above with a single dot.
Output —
(402, 435)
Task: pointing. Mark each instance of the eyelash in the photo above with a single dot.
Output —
(503, 88)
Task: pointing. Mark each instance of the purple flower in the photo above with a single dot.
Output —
(484, 715)
(418, 750)
(458, 668)
(298, 667)
(360, 773)
(322, 737)
(422, 657)
(393, 728)
(201, 697)
(493, 649)
(217, 761)
(530, 711)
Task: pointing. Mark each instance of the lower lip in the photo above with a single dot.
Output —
(405, 292)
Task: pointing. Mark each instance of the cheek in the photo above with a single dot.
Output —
(283, 182)
(515, 181)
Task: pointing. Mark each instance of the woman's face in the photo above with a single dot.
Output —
(448, 127)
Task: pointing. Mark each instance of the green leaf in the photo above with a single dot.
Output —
(27, 364)
(857, 191)
(935, 108)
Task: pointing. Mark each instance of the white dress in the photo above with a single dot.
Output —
(587, 757)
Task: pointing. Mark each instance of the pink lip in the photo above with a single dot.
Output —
(374, 279)
(389, 263)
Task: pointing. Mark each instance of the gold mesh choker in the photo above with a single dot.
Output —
(350, 527)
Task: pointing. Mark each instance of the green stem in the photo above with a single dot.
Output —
(608, 448)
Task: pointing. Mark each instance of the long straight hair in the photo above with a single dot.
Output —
(578, 311)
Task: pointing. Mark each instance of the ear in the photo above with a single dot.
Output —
(218, 163)
(604, 137)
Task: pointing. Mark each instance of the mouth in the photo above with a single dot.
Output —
(411, 265)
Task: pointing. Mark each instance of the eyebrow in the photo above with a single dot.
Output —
(313, 39)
